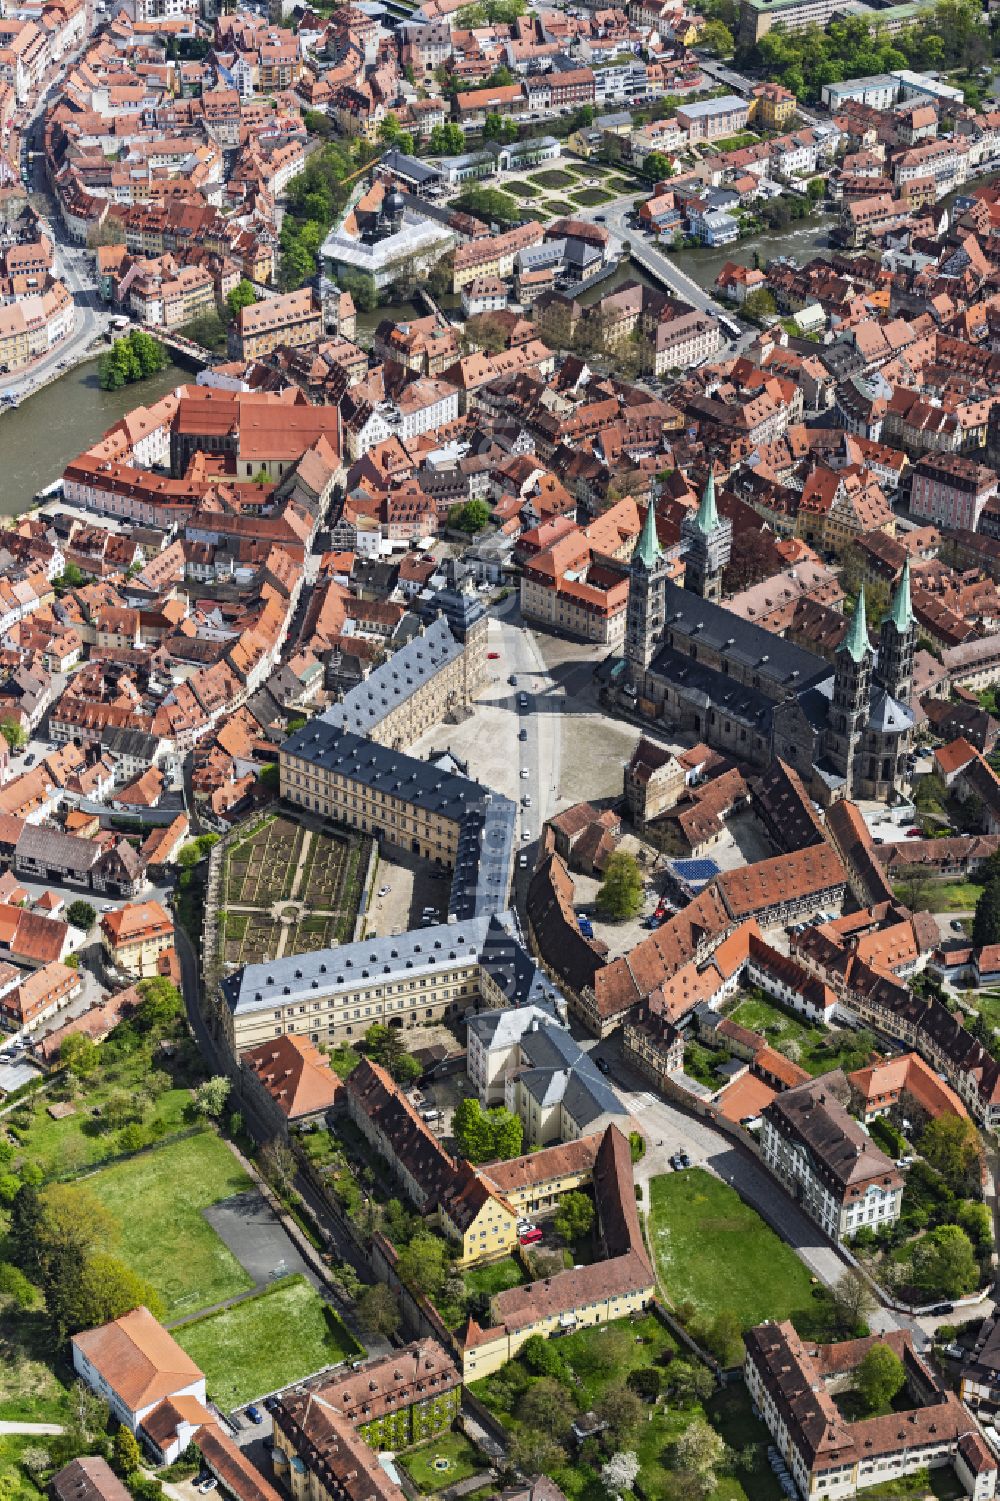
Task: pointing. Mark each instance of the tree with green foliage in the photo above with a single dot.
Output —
(126, 1456)
(13, 732)
(621, 893)
(489, 204)
(621, 1411)
(716, 37)
(363, 290)
(422, 1263)
(879, 1377)
(657, 167)
(79, 1055)
(574, 1218)
(852, 1301)
(533, 1452)
(501, 129)
(242, 295)
(975, 1219)
(15, 1285)
(81, 914)
(469, 517)
(542, 1358)
(695, 1458)
(210, 1098)
(547, 1405)
(943, 1263)
(760, 304)
(636, 1145)
(986, 923)
(951, 1146)
(378, 1309)
(486, 1135)
(391, 133)
(160, 1008)
(447, 139)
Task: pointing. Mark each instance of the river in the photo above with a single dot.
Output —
(38, 438)
(45, 432)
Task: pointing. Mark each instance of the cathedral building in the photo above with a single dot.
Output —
(694, 666)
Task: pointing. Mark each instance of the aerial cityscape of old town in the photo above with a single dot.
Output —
(499, 750)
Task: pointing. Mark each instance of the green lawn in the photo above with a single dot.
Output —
(987, 1003)
(78, 1141)
(950, 896)
(552, 177)
(258, 1346)
(463, 1459)
(815, 1049)
(158, 1199)
(494, 1276)
(716, 1252)
(588, 197)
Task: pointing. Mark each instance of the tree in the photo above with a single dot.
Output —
(470, 517)
(447, 139)
(986, 923)
(879, 1377)
(853, 1300)
(406, 1070)
(79, 1054)
(103, 1288)
(943, 1263)
(574, 1217)
(914, 886)
(210, 1098)
(10, 728)
(718, 38)
(14, 1284)
(382, 1044)
(488, 204)
(126, 1456)
(278, 1163)
(535, 1453)
(620, 1473)
(378, 1309)
(687, 1382)
(81, 914)
(723, 1337)
(760, 304)
(622, 1411)
(950, 1144)
(542, 1358)
(646, 1381)
(421, 1264)
(546, 1405)
(486, 1135)
(621, 892)
(636, 1146)
(697, 1454)
(975, 1219)
(242, 295)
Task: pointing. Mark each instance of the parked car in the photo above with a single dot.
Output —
(384, 890)
(522, 700)
(254, 1414)
(522, 734)
(493, 656)
(525, 773)
(208, 1485)
(512, 680)
(522, 862)
(530, 1237)
(604, 1065)
(942, 1309)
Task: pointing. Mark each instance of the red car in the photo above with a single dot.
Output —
(493, 656)
(914, 833)
(530, 1237)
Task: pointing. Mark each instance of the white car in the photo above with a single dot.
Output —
(524, 773)
(384, 890)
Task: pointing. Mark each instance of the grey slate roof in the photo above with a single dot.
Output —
(309, 977)
(700, 620)
(559, 1072)
(365, 706)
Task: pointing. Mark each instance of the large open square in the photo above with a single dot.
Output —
(716, 1252)
(158, 1198)
(266, 1342)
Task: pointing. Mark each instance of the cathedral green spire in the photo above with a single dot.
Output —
(648, 550)
(708, 515)
(856, 641)
(900, 610)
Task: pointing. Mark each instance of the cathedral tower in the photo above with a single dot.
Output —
(709, 542)
(897, 643)
(851, 697)
(644, 612)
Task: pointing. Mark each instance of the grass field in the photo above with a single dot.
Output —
(495, 1276)
(588, 197)
(264, 1343)
(463, 1460)
(158, 1199)
(716, 1252)
(814, 1048)
(78, 1141)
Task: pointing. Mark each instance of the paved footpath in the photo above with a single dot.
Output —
(28, 1428)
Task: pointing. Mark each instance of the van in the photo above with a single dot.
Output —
(430, 1115)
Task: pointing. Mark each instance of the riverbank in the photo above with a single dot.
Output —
(65, 416)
